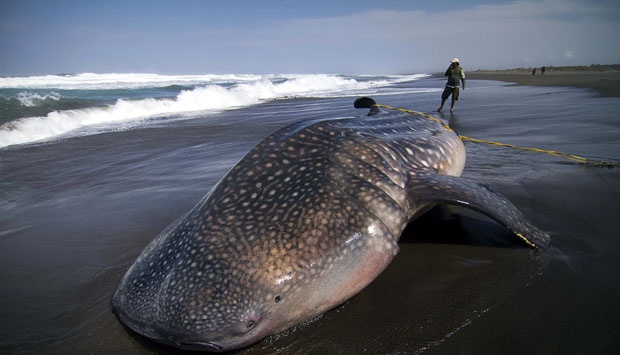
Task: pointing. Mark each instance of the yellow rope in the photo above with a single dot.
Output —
(572, 157)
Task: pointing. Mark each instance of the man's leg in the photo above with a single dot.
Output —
(441, 107)
(444, 97)
(455, 97)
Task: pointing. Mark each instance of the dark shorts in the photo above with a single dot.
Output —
(448, 90)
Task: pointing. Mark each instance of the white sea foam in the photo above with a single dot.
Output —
(30, 99)
(214, 92)
(91, 81)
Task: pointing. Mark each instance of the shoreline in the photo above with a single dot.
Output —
(607, 84)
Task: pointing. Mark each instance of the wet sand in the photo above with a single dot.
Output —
(76, 213)
(607, 84)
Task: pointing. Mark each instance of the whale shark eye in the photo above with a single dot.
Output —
(278, 299)
(250, 324)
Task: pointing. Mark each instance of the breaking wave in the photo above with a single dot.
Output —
(198, 93)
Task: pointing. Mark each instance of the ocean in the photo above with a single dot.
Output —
(48, 107)
(93, 166)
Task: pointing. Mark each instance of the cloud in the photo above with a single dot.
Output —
(485, 36)
(382, 41)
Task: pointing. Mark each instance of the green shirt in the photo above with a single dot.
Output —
(454, 76)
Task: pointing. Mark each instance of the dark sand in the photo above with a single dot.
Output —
(75, 213)
(606, 83)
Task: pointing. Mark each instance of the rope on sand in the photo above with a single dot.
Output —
(572, 157)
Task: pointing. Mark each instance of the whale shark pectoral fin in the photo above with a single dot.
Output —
(428, 188)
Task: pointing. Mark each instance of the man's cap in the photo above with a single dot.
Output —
(455, 60)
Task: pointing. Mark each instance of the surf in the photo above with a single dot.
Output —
(200, 94)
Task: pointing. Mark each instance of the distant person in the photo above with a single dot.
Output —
(534, 71)
(455, 74)
(542, 71)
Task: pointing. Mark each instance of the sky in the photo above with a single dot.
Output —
(39, 37)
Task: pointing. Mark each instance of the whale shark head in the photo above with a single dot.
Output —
(200, 286)
(180, 293)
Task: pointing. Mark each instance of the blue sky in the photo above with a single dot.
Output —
(294, 36)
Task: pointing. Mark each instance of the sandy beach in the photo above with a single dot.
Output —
(607, 83)
(77, 211)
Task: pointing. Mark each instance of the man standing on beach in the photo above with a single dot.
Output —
(455, 75)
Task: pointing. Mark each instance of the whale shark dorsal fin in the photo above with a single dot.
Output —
(367, 102)
(425, 189)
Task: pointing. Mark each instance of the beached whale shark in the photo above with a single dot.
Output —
(304, 222)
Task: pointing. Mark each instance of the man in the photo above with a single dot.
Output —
(455, 75)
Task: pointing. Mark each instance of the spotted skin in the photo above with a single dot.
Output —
(305, 221)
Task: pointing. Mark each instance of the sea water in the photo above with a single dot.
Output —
(38, 108)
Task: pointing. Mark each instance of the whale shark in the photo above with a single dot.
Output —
(305, 221)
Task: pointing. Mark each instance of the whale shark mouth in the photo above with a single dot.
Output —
(155, 334)
(199, 345)
(152, 334)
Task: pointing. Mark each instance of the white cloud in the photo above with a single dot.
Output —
(501, 35)
(485, 36)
